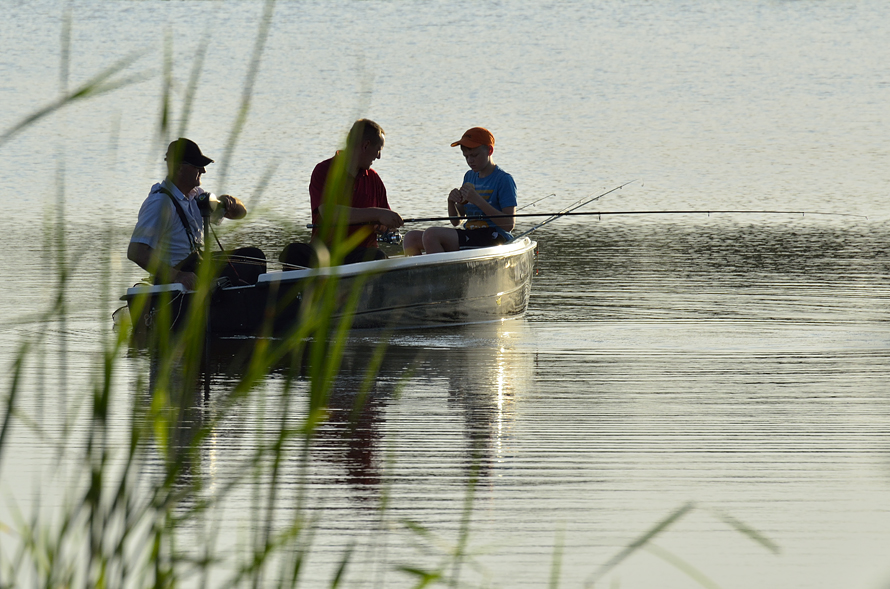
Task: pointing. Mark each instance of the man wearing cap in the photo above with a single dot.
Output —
(487, 199)
(169, 232)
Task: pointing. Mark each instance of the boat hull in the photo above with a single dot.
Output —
(452, 288)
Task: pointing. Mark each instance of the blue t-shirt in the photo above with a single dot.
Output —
(498, 189)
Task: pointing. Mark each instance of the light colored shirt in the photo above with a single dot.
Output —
(160, 227)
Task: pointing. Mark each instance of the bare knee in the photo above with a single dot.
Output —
(440, 239)
(413, 243)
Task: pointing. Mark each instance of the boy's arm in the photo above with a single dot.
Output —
(455, 206)
(504, 222)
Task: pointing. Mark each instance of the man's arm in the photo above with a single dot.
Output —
(373, 215)
(143, 255)
(378, 216)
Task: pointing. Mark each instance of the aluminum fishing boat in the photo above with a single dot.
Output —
(472, 285)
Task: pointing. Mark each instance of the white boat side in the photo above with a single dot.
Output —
(450, 288)
(404, 262)
(144, 289)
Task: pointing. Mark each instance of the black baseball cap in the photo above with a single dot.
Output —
(187, 152)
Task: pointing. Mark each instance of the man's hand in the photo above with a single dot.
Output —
(389, 219)
(234, 208)
(381, 219)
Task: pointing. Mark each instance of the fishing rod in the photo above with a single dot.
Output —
(663, 212)
(561, 213)
(616, 213)
(531, 204)
(572, 207)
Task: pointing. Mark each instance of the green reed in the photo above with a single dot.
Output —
(122, 525)
(125, 518)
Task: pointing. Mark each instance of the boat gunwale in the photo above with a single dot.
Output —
(403, 262)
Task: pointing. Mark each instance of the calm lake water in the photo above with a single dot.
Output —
(739, 361)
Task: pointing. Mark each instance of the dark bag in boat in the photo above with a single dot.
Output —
(190, 263)
(241, 266)
(298, 254)
(303, 255)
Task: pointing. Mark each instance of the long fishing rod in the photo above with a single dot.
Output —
(665, 212)
(615, 213)
(556, 215)
(531, 204)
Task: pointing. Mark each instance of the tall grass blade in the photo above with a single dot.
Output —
(247, 89)
(98, 84)
(557, 559)
(671, 558)
(341, 570)
(192, 86)
(167, 86)
(17, 366)
(746, 530)
(638, 543)
(254, 201)
(65, 56)
(424, 577)
(466, 519)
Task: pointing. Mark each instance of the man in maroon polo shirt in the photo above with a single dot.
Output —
(368, 211)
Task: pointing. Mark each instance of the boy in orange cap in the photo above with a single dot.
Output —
(487, 198)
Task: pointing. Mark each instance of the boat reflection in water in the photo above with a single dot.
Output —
(441, 400)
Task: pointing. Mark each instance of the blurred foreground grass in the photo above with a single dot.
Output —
(123, 520)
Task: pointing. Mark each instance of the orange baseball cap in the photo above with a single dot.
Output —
(475, 137)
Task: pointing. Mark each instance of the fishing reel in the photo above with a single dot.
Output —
(208, 203)
(390, 237)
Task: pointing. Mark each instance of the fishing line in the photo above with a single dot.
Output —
(250, 260)
(574, 206)
(571, 210)
(227, 257)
